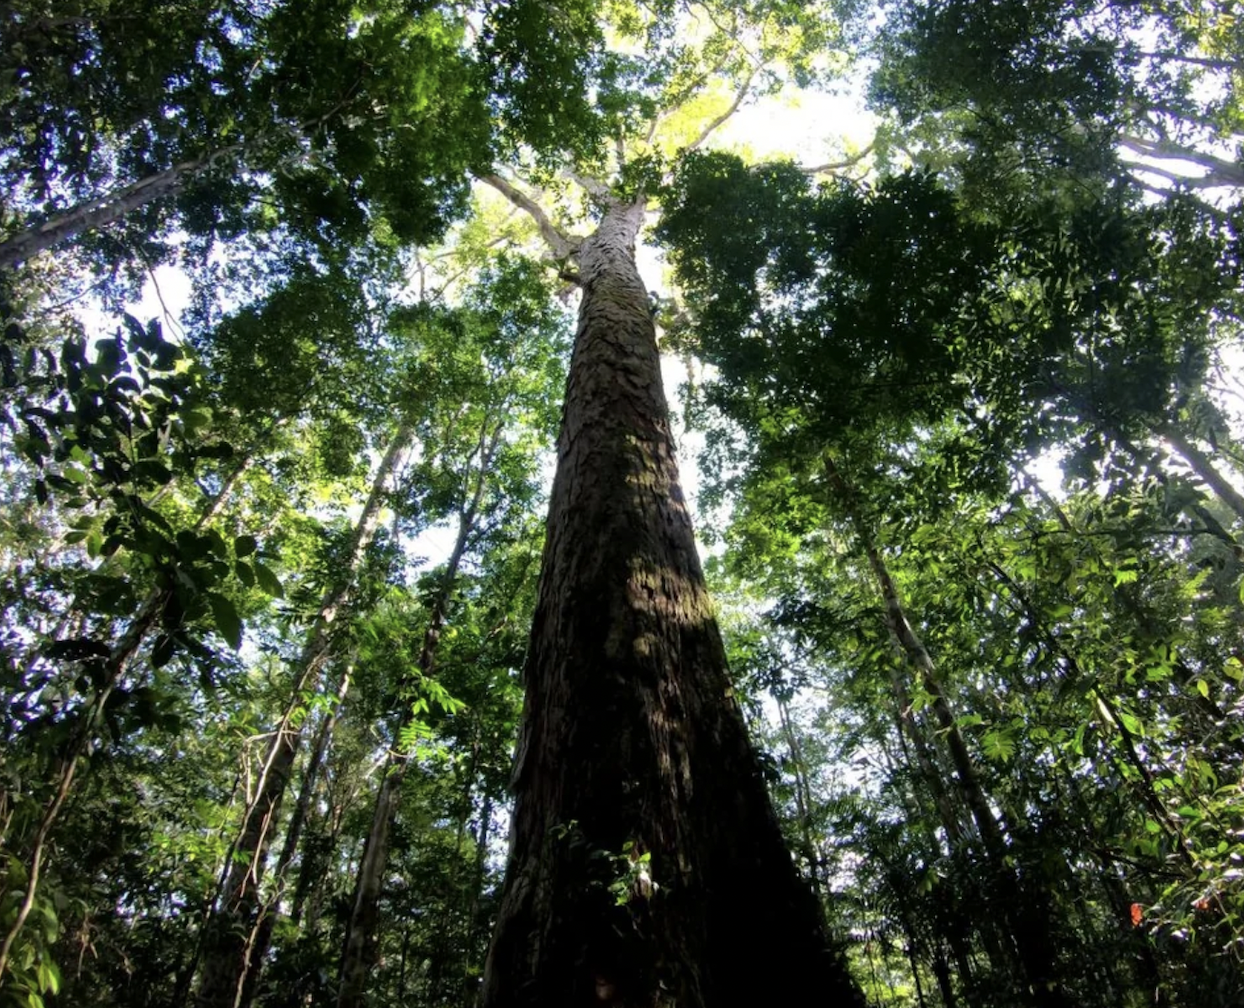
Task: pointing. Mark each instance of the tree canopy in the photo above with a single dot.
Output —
(291, 649)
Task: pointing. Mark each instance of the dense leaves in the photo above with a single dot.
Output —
(1014, 668)
(973, 480)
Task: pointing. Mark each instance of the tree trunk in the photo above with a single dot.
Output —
(803, 799)
(270, 911)
(474, 926)
(358, 954)
(1033, 947)
(646, 867)
(230, 941)
(914, 961)
(941, 970)
(1200, 464)
(912, 729)
(106, 209)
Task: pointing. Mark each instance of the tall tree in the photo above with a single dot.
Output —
(639, 802)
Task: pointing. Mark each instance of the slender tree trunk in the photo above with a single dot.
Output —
(229, 946)
(918, 655)
(358, 954)
(941, 971)
(803, 798)
(913, 730)
(470, 979)
(270, 911)
(646, 866)
(107, 209)
(359, 947)
(1201, 464)
(1033, 946)
(914, 962)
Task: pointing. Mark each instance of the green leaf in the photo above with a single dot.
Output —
(196, 419)
(48, 974)
(268, 581)
(217, 543)
(1202, 687)
(998, 745)
(228, 623)
(162, 650)
(155, 471)
(244, 546)
(1077, 743)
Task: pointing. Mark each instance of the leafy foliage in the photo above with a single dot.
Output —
(985, 393)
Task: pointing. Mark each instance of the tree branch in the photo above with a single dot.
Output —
(742, 93)
(1219, 215)
(1202, 61)
(595, 188)
(833, 166)
(1187, 181)
(560, 244)
(1221, 171)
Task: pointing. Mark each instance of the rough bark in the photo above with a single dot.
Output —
(229, 946)
(646, 866)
